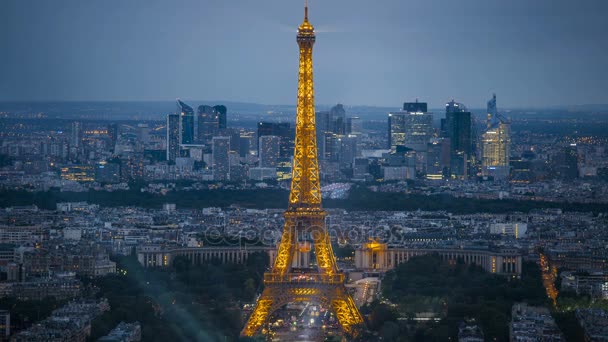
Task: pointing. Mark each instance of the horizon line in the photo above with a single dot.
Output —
(554, 106)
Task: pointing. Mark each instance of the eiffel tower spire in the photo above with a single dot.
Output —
(305, 220)
(305, 184)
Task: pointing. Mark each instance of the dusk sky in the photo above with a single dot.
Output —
(383, 52)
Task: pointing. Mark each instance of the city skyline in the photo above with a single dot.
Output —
(231, 221)
(532, 54)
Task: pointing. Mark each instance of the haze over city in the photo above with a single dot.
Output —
(192, 171)
(534, 53)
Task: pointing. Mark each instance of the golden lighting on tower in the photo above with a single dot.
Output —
(305, 217)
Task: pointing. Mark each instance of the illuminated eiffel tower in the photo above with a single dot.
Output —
(305, 218)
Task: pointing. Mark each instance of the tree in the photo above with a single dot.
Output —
(381, 313)
(389, 331)
(258, 262)
(345, 251)
(181, 264)
(250, 288)
(454, 292)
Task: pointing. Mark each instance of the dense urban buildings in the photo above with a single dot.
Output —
(159, 221)
(530, 323)
(71, 322)
(80, 196)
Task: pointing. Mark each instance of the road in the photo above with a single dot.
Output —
(303, 323)
(549, 274)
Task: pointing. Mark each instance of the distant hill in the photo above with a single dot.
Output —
(237, 111)
(157, 110)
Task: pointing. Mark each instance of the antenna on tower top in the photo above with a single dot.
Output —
(305, 9)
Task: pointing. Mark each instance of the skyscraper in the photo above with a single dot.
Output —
(322, 119)
(333, 127)
(76, 134)
(415, 107)
(492, 109)
(333, 121)
(282, 130)
(338, 148)
(329, 147)
(143, 133)
(208, 124)
(337, 115)
(565, 162)
(457, 127)
(222, 112)
(354, 125)
(496, 142)
(412, 127)
(221, 161)
(246, 143)
(173, 140)
(438, 158)
(360, 168)
(186, 114)
(269, 150)
(348, 151)
(113, 133)
(235, 137)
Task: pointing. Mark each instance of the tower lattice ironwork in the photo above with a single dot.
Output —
(305, 218)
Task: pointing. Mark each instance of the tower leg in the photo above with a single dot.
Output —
(325, 255)
(348, 315)
(287, 248)
(259, 316)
